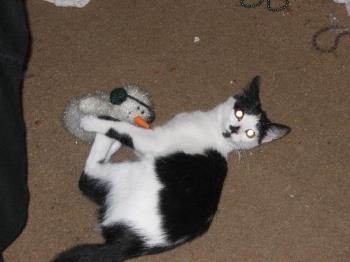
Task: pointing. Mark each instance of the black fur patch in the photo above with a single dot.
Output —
(226, 134)
(127, 240)
(234, 129)
(263, 125)
(93, 188)
(122, 138)
(192, 189)
(249, 103)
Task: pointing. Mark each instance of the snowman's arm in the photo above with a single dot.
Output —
(140, 139)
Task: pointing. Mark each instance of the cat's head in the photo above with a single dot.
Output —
(246, 125)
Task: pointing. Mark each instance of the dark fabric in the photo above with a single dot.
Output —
(14, 42)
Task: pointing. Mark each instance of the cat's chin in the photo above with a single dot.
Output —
(239, 145)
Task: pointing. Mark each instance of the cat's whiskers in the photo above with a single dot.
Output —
(245, 156)
(246, 162)
(239, 155)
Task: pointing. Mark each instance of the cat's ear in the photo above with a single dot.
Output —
(275, 131)
(252, 91)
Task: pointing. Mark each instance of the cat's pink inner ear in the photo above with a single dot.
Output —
(275, 131)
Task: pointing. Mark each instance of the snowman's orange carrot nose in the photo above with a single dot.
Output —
(141, 122)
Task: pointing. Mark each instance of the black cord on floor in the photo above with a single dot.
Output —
(343, 32)
(268, 5)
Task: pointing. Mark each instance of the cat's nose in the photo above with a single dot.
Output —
(234, 129)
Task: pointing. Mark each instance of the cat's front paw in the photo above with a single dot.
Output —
(90, 123)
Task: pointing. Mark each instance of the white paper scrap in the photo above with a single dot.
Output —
(69, 3)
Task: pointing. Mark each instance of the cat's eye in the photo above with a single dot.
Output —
(250, 133)
(239, 114)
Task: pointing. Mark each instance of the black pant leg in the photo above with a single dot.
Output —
(14, 41)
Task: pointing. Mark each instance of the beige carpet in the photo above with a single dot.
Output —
(286, 201)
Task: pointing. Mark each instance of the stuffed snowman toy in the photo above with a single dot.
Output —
(130, 103)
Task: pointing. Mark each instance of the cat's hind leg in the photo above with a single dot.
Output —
(113, 149)
(98, 155)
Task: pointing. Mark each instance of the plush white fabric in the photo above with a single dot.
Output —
(346, 2)
(67, 3)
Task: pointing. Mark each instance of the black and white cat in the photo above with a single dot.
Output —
(171, 193)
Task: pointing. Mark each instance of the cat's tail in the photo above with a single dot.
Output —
(121, 243)
(91, 253)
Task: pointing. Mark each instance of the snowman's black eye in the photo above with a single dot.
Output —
(138, 108)
(142, 112)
